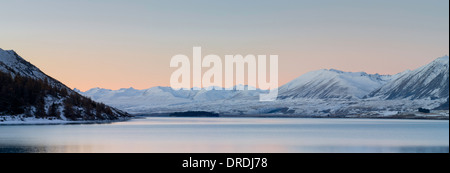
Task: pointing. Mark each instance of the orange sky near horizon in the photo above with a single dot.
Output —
(124, 73)
(122, 44)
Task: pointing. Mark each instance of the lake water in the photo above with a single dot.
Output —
(249, 135)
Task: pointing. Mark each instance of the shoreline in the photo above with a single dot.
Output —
(399, 117)
(42, 121)
(39, 121)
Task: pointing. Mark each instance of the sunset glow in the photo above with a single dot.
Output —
(123, 44)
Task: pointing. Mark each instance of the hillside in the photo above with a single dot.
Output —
(324, 84)
(26, 93)
(429, 81)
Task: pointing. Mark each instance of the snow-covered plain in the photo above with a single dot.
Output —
(24, 120)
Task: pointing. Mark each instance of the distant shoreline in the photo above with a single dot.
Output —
(42, 121)
(400, 116)
(137, 116)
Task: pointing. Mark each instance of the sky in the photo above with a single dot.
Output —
(129, 43)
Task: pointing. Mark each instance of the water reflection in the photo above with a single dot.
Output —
(225, 148)
(231, 135)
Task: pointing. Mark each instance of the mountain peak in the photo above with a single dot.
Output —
(130, 88)
(428, 81)
(12, 52)
(2, 50)
(77, 90)
(335, 70)
(444, 59)
(332, 83)
(65, 104)
(12, 63)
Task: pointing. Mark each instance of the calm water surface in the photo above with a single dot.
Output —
(249, 135)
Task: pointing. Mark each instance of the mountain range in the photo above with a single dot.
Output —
(322, 92)
(324, 84)
(429, 81)
(27, 93)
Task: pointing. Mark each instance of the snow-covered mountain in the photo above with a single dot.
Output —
(317, 93)
(131, 99)
(324, 84)
(27, 93)
(318, 85)
(12, 63)
(429, 81)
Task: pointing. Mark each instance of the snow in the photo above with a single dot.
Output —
(21, 119)
(388, 113)
(12, 63)
(16, 63)
(77, 90)
(131, 100)
(423, 82)
(251, 105)
(317, 93)
(333, 84)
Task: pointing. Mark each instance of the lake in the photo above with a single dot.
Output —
(237, 135)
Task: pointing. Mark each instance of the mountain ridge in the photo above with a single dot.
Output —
(320, 92)
(332, 83)
(316, 93)
(431, 80)
(27, 93)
